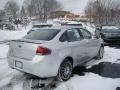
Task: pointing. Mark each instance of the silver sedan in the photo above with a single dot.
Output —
(54, 51)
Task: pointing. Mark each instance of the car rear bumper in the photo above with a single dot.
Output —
(44, 67)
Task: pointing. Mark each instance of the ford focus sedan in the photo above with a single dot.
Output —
(55, 51)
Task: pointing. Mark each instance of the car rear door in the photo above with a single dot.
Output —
(76, 43)
(92, 44)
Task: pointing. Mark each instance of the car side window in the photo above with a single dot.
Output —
(63, 37)
(73, 35)
(86, 34)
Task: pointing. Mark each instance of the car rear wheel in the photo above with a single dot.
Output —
(65, 70)
(100, 53)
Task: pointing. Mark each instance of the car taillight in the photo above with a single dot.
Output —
(43, 51)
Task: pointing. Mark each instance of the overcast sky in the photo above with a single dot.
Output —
(76, 6)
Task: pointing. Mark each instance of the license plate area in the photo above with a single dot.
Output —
(18, 64)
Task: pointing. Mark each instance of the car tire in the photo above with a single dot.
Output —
(100, 53)
(65, 70)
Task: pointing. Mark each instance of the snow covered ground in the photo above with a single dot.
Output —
(11, 35)
(15, 80)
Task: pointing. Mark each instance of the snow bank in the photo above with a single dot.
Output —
(11, 35)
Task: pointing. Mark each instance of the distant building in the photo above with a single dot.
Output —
(59, 14)
(71, 16)
(67, 15)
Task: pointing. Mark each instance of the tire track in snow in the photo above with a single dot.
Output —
(11, 80)
(17, 81)
(5, 70)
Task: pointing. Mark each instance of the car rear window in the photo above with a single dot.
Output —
(71, 24)
(41, 26)
(42, 34)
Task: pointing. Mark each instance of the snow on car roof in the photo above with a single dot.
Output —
(62, 27)
(42, 24)
(110, 27)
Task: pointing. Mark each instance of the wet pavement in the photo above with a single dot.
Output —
(104, 69)
(118, 88)
(115, 46)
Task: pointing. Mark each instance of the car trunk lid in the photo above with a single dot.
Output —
(24, 49)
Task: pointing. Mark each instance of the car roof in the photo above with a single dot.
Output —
(62, 27)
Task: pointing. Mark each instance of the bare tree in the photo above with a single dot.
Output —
(2, 15)
(42, 8)
(23, 12)
(11, 8)
(103, 11)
